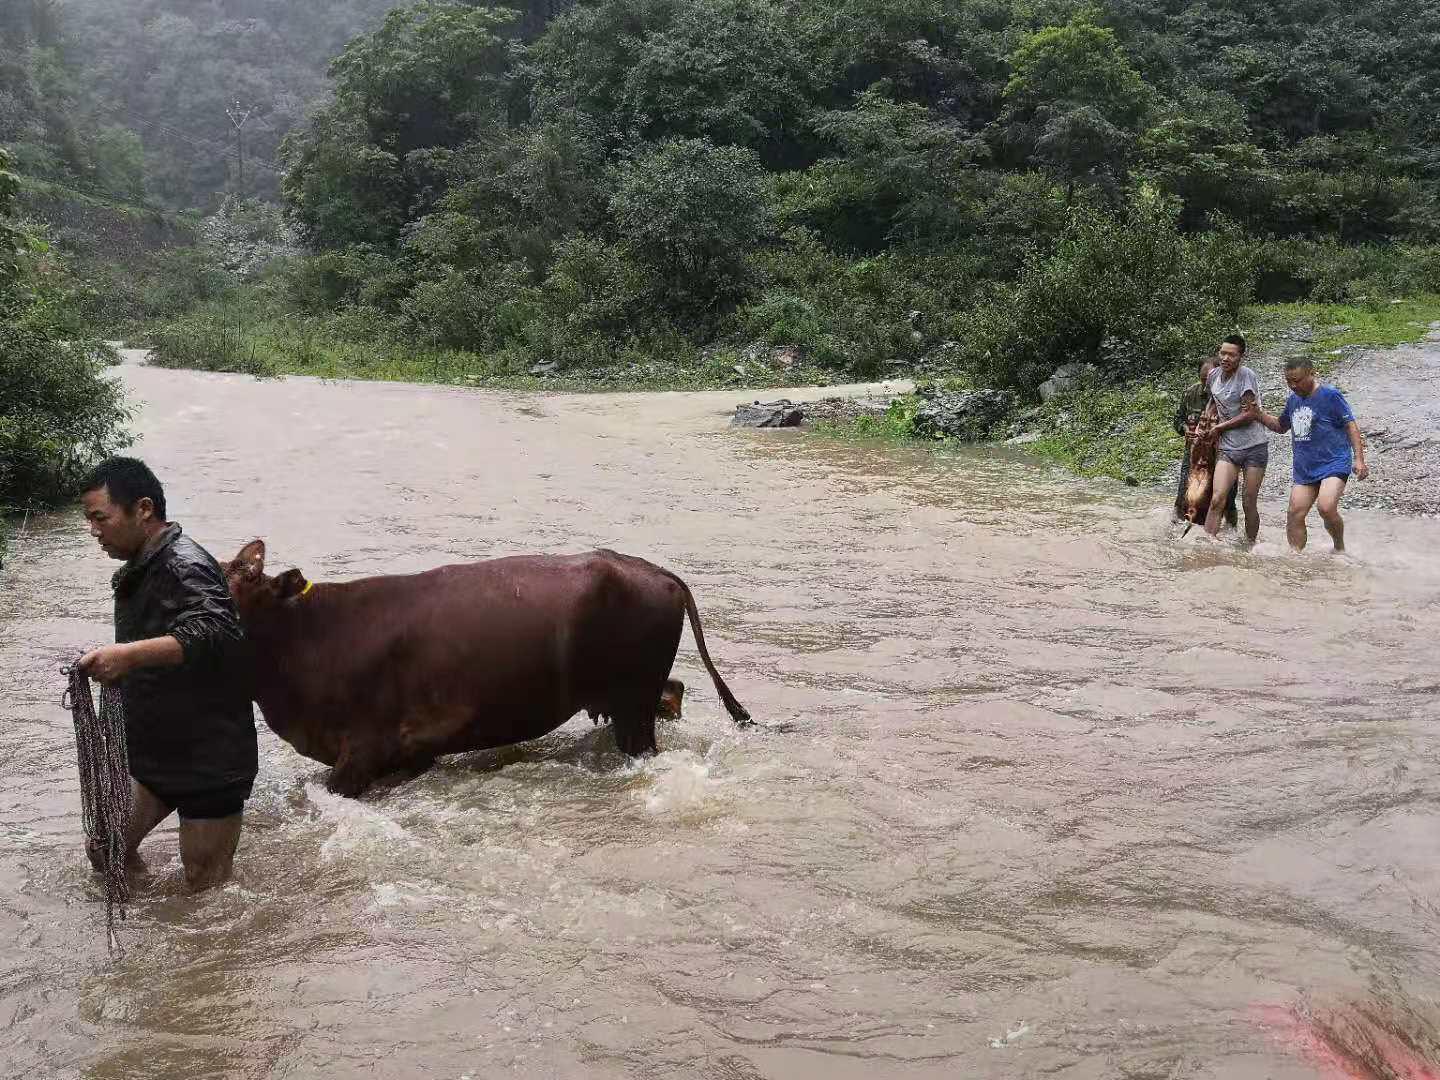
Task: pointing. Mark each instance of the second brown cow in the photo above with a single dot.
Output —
(385, 674)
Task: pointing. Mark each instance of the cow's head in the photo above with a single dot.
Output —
(253, 590)
(672, 700)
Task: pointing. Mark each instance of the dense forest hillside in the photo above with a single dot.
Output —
(865, 179)
(134, 99)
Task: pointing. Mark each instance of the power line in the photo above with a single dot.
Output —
(238, 119)
(202, 144)
(180, 136)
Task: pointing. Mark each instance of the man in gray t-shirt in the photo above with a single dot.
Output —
(1244, 444)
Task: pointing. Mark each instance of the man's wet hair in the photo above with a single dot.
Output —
(1300, 363)
(1209, 361)
(1236, 340)
(128, 480)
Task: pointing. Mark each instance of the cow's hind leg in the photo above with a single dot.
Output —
(634, 728)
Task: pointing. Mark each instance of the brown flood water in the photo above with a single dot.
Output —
(1040, 791)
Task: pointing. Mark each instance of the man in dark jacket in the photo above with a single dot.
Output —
(177, 660)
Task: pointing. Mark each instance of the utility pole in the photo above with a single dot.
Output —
(238, 118)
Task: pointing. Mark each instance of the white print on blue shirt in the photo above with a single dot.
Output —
(1300, 421)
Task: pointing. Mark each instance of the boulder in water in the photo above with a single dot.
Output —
(768, 414)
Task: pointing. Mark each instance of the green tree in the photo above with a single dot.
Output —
(1125, 291)
(119, 158)
(419, 80)
(1199, 149)
(896, 171)
(58, 412)
(691, 212)
(730, 71)
(515, 194)
(949, 57)
(1074, 102)
(415, 88)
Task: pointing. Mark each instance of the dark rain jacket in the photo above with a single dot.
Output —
(190, 728)
(1192, 404)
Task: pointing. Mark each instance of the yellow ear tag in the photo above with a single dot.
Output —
(308, 586)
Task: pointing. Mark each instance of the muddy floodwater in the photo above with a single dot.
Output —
(1036, 791)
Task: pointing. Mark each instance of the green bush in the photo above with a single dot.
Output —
(329, 280)
(215, 337)
(1126, 292)
(461, 308)
(1123, 432)
(597, 287)
(59, 413)
(105, 296)
(860, 317)
(1327, 271)
(690, 213)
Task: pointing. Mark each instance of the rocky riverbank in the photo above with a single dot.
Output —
(1396, 397)
(1395, 393)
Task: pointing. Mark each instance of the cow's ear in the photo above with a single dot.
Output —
(251, 560)
(290, 583)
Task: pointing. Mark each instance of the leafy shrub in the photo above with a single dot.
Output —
(1122, 432)
(1330, 272)
(596, 287)
(215, 337)
(245, 235)
(863, 317)
(330, 280)
(690, 212)
(59, 413)
(460, 308)
(1126, 292)
(105, 295)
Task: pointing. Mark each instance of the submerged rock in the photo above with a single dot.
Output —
(768, 414)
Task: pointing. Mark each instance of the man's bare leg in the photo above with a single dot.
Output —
(1250, 500)
(1302, 498)
(1331, 488)
(1225, 477)
(207, 849)
(146, 813)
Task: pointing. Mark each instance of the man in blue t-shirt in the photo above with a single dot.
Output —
(1328, 448)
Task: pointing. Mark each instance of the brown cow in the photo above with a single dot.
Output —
(385, 674)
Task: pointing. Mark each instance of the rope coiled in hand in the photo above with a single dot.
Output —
(106, 800)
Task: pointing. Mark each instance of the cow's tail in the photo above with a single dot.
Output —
(737, 712)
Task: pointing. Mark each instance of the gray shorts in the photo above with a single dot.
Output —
(1252, 457)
